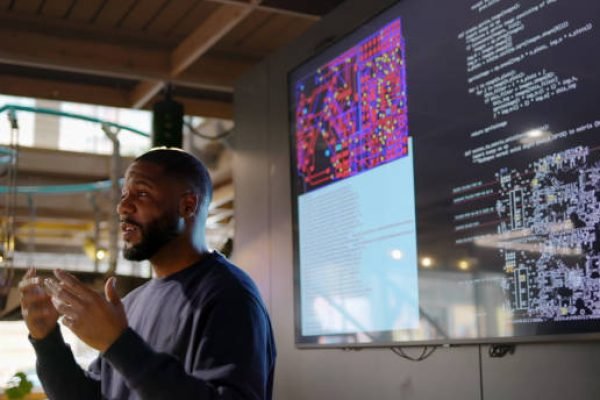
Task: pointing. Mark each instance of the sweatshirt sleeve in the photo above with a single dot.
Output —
(61, 376)
(233, 357)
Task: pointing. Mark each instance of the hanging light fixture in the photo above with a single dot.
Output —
(167, 121)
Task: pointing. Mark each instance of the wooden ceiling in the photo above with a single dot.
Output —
(122, 52)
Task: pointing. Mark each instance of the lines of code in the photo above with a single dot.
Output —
(351, 114)
(499, 45)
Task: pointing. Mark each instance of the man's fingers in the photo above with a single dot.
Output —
(72, 283)
(63, 297)
(110, 291)
(32, 299)
(52, 286)
(28, 278)
(30, 273)
(32, 294)
(28, 282)
(62, 307)
(69, 321)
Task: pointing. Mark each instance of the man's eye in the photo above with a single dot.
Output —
(142, 194)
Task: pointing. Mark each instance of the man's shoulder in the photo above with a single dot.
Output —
(222, 280)
(229, 275)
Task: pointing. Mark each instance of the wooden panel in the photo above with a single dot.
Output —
(194, 46)
(292, 29)
(217, 25)
(68, 28)
(5, 5)
(244, 30)
(269, 37)
(223, 71)
(193, 19)
(66, 91)
(319, 7)
(26, 6)
(74, 54)
(206, 108)
(56, 8)
(113, 12)
(143, 14)
(262, 33)
(143, 92)
(175, 11)
(83, 93)
(77, 55)
(86, 10)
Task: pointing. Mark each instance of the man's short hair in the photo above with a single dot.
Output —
(184, 166)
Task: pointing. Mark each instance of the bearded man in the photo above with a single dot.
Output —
(198, 329)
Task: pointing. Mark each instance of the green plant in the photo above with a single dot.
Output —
(18, 387)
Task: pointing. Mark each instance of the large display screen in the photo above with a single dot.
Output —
(446, 176)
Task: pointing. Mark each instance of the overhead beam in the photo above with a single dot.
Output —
(53, 247)
(81, 55)
(221, 68)
(207, 108)
(217, 25)
(96, 94)
(44, 225)
(24, 214)
(55, 90)
(194, 46)
(67, 28)
(144, 92)
(274, 10)
(109, 59)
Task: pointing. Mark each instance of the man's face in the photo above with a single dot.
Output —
(148, 211)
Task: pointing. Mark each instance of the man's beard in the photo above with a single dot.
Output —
(154, 236)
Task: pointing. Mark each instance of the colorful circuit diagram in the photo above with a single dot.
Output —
(351, 113)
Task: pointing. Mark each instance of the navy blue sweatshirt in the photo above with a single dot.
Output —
(201, 333)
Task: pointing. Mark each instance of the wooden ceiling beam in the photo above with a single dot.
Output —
(66, 91)
(223, 70)
(207, 108)
(273, 10)
(194, 46)
(96, 94)
(143, 93)
(81, 55)
(217, 25)
(68, 28)
(108, 59)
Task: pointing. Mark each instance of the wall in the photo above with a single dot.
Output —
(264, 247)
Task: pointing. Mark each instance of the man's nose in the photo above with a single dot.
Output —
(125, 206)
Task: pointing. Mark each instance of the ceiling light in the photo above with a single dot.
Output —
(100, 254)
(426, 262)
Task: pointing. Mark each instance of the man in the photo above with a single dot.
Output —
(198, 330)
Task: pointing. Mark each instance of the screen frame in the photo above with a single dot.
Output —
(331, 48)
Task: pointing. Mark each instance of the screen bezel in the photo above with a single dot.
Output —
(334, 48)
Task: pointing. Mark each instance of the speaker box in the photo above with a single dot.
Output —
(167, 123)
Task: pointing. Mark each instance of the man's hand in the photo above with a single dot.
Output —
(38, 312)
(96, 320)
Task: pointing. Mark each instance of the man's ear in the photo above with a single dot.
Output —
(189, 204)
